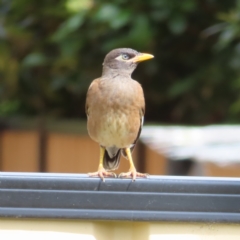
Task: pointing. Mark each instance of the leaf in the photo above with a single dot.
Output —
(120, 20)
(141, 32)
(227, 36)
(69, 26)
(177, 24)
(58, 82)
(34, 59)
(189, 5)
(106, 13)
(160, 14)
(235, 107)
(180, 87)
(78, 5)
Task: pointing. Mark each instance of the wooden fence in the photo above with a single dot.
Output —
(31, 150)
(27, 151)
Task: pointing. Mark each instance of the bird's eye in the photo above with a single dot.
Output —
(125, 56)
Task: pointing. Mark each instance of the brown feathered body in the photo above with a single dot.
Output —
(112, 120)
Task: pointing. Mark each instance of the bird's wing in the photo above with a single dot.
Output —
(141, 106)
(93, 88)
(141, 118)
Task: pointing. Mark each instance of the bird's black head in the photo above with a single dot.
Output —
(124, 59)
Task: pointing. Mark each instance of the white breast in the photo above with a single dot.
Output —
(115, 130)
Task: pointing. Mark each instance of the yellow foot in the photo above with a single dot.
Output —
(102, 173)
(133, 174)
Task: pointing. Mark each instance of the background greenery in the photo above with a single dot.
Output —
(50, 51)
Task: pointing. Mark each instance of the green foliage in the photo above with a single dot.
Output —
(51, 50)
(7, 108)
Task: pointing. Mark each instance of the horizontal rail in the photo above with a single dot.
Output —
(158, 198)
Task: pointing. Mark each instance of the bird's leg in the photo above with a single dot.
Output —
(102, 172)
(132, 170)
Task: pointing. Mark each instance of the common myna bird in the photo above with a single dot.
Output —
(115, 111)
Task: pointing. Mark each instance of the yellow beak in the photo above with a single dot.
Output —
(142, 57)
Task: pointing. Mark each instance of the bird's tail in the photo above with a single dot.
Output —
(111, 159)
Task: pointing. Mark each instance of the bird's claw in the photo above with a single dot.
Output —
(102, 173)
(133, 174)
